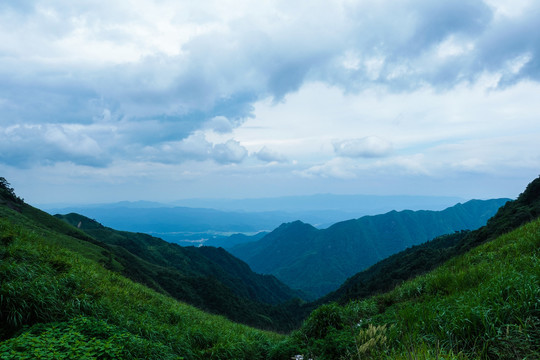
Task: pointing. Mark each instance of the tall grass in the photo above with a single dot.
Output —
(46, 287)
(484, 304)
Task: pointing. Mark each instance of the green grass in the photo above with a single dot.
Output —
(57, 300)
(51, 293)
(56, 231)
(484, 304)
(189, 275)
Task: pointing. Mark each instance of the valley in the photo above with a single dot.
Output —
(270, 180)
(318, 261)
(131, 295)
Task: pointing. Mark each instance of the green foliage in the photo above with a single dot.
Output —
(81, 338)
(7, 192)
(206, 277)
(331, 331)
(483, 304)
(45, 287)
(319, 261)
(322, 320)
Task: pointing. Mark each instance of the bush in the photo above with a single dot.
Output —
(81, 338)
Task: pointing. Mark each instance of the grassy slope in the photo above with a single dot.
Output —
(75, 306)
(483, 304)
(207, 291)
(420, 259)
(192, 261)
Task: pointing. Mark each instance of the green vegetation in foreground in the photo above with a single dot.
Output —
(58, 300)
(210, 279)
(55, 304)
(484, 304)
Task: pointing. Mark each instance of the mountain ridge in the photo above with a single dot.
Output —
(419, 259)
(262, 301)
(318, 261)
(177, 221)
(56, 301)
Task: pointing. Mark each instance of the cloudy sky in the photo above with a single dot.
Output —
(163, 100)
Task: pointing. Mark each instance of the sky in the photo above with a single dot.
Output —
(161, 100)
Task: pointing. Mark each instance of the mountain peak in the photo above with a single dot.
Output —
(318, 261)
(295, 225)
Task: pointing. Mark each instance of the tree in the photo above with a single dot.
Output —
(7, 191)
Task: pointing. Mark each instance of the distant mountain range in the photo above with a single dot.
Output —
(319, 261)
(347, 204)
(195, 221)
(297, 253)
(407, 264)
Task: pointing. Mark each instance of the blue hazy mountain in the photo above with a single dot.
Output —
(196, 221)
(319, 261)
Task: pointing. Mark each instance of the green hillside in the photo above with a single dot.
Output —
(57, 304)
(190, 261)
(319, 261)
(422, 258)
(226, 287)
(62, 296)
(484, 304)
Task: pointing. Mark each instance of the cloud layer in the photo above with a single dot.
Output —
(325, 88)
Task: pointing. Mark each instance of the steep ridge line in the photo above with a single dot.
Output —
(319, 261)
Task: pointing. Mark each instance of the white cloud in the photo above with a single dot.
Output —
(335, 168)
(453, 47)
(370, 146)
(268, 155)
(196, 147)
(229, 152)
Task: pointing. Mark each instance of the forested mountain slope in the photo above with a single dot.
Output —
(422, 258)
(190, 261)
(227, 287)
(319, 261)
(59, 300)
(483, 304)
